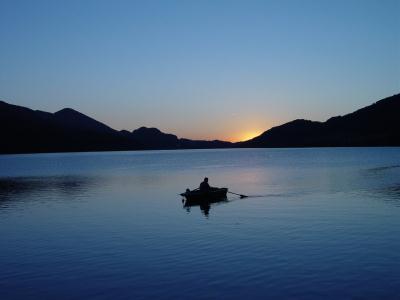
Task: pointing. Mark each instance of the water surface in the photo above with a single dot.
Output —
(325, 225)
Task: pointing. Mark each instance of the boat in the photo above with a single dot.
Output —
(210, 195)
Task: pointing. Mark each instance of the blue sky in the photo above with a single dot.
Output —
(199, 69)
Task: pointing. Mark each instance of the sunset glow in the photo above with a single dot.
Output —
(247, 135)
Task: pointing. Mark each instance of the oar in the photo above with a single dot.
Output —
(241, 196)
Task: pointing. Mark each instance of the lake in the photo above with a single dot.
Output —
(320, 223)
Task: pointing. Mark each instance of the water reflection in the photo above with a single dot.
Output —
(389, 194)
(383, 168)
(21, 188)
(382, 183)
(205, 205)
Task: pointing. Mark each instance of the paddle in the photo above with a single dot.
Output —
(241, 196)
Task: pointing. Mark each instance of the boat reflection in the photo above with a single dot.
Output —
(204, 204)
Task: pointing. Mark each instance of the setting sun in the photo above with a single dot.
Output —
(247, 135)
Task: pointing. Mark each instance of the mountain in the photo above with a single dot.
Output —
(153, 138)
(75, 120)
(374, 125)
(23, 130)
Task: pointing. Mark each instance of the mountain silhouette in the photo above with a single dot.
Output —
(374, 125)
(24, 130)
(153, 138)
(73, 119)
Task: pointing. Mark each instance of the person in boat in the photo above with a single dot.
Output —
(204, 186)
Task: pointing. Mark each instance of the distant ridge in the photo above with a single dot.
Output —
(74, 119)
(375, 125)
(153, 138)
(24, 130)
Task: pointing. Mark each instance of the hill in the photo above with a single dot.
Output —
(24, 130)
(374, 125)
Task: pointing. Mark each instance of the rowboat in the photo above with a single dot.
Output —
(212, 194)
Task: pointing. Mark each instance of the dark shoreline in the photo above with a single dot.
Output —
(228, 148)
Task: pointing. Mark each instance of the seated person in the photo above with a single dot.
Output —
(204, 186)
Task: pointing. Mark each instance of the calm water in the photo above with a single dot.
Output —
(325, 225)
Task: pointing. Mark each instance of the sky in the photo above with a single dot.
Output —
(199, 69)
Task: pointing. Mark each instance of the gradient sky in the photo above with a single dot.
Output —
(199, 69)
